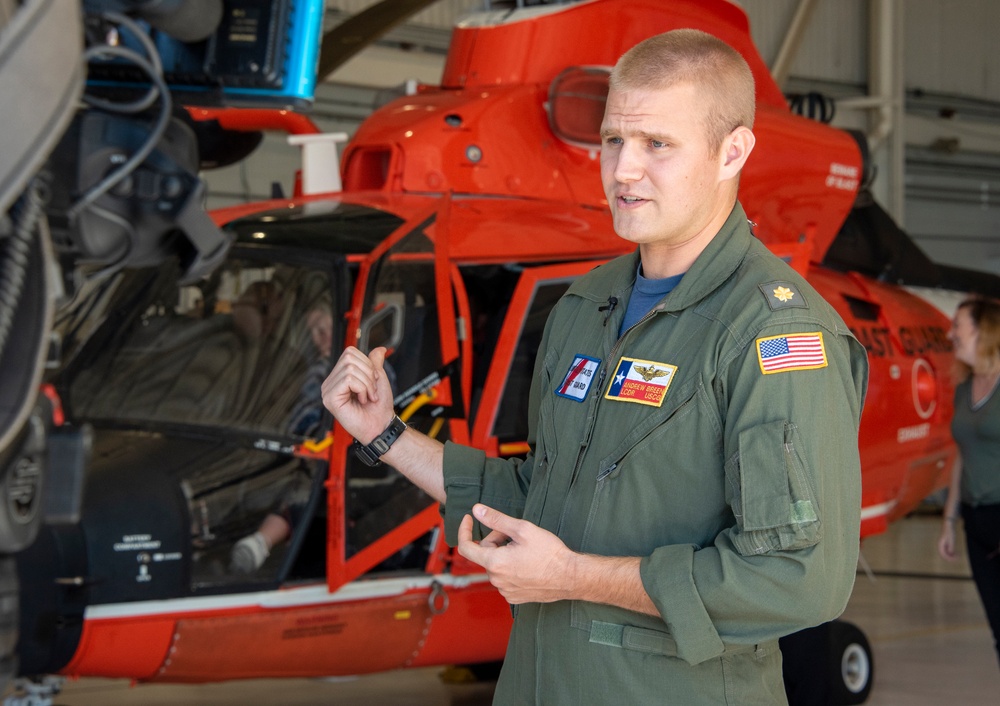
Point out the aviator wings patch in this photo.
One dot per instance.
(641, 381)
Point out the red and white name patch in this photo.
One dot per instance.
(577, 381)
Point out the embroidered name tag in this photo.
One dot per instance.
(642, 381)
(577, 381)
(794, 351)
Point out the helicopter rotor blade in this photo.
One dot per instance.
(357, 32)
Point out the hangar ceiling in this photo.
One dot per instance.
(918, 76)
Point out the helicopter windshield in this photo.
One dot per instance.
(245, 350)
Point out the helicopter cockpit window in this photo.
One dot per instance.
(576, 105)
(251, 512)
(244, 350)
(400, 313)
(511, 423)
(229, 371)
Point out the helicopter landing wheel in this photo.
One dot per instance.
(852, 669)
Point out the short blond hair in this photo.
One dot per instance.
(702, 60)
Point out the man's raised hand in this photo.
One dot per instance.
(358, 394)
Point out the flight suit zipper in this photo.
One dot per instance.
(592, 412)
(648, 315)
(611, 356)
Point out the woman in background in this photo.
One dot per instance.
(974, 492)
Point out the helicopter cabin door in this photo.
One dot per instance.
(388, 524)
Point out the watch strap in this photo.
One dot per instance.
(372, 452)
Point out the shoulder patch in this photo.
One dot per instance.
(791, 351)
(783, 295)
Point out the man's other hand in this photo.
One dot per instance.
(526, 563)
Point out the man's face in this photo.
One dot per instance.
(661, 180)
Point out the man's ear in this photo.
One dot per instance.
(736, 148)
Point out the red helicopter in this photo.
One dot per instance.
(466, 209)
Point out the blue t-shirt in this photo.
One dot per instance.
(645, 294)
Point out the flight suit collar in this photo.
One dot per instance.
(716, 263)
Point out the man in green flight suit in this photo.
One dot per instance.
(693, 491)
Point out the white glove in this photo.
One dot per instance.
(249, 554)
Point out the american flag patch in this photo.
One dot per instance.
(793, 351)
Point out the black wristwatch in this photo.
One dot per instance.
(371, 453)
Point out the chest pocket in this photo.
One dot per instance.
(665, 477)
(637, 421)
(771, 493)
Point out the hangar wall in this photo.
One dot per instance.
(948, 132)
(918, 75)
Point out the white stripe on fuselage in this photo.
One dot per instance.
(283, 598)
(873, 511)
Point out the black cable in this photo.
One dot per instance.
(25, 216)
(154, 69)
(153, 55)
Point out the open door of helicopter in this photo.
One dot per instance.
(404, 303)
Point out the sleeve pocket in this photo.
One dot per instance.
(772, 498)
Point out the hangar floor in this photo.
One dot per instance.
(922, 615)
